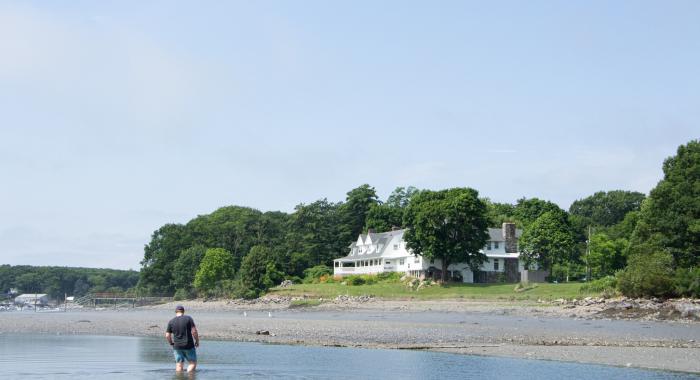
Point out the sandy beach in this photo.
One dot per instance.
(465, 327)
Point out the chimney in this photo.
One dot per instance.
(370, 230)
(509, 236)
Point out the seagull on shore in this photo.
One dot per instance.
(269, 314)
(245, 314)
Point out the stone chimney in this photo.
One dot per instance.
(509, 236)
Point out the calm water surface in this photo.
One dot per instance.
(89, 357)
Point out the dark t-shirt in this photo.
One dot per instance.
(181, 328)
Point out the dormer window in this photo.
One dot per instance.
(396, 247)
(495, 245)
(488, 245)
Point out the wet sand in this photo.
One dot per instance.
(511, 330)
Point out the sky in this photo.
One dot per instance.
(117, 117)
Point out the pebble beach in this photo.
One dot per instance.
(551, 332)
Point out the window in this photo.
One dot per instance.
(416, 260)
(488, 245)
(396, 247)
(401, 262)
(495, 245)
(432, 261)
(495, 264)
(387, 262)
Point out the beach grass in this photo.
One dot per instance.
(394, 290)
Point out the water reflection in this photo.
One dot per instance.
(90, 357)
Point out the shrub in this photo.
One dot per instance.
(686, 282)
(606, 285)
(647, 275)
(183, 294)
(355, 280)
(389, 276)
(313, 274)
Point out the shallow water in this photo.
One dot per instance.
(30, 356)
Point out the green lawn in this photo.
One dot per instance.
(494, 292)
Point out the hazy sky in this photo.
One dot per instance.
(119, 117)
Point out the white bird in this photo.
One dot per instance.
(245, 314)
(269, 314)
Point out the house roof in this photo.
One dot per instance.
(31, 295)
(380, 239)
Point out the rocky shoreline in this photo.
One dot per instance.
(587, 330)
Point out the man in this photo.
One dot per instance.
(182, 335)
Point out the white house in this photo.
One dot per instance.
(32, 299)
(386, 252)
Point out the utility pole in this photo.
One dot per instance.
(588, 251)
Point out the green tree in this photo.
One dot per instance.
(607, 208)
(382, 217)
(449, 225)
(499, 213)
(526, 211)
(186, 267)
(259, 271)
(548, 240)
(606, 255)
(354, 211)
(647, 275)
(400, 197)
(671, 215)
(215, 268)
(159, 258)
(314, 231)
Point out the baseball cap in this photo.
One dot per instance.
(179, 308)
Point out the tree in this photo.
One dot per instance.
(647, 275)
(527, 211)
(499, 213)
(159, 258)
(607, 208)
(401, 196)
(382, 217)
(606, 255)
(385, 216)
(314, 231)
(671, 215)
(259, 271)
(449, 225)
(354, 211)
(547, 240)
(186, 267)
(216, 267)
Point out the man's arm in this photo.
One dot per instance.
(169, 338)
(195, 335)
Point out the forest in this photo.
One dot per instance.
(58, 282)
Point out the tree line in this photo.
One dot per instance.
(57, 282)
(240, 251)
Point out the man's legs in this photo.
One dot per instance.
(179, 360)
(191, 366)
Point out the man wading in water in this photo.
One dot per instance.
(182, 335)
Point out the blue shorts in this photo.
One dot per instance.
(181, 355)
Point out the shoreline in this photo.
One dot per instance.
(460, 327)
